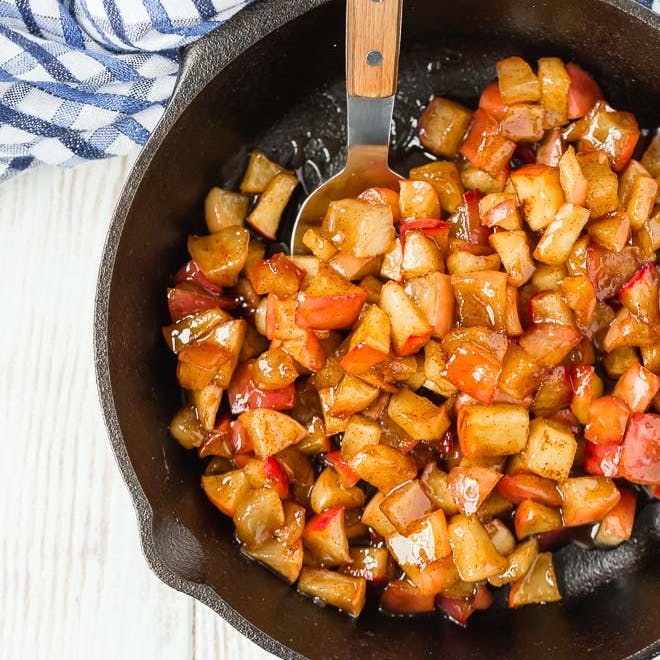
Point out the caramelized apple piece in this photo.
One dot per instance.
(538, 585)
(342, 591)
(587, 499)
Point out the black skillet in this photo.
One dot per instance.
(273, 77)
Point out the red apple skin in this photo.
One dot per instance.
(519, 487)
(582, 93)
(602, 460)
(360, 358)
(461, 610)
(276, 476)
(191, 273)
(491, 100)
(347, 474)
(182, 303)
(244, 394)
(329, 312)
(640, 457)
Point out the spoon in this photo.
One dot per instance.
(373, 34)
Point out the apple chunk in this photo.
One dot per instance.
(369, 343)
(410, 330)
(417, 416)
(495, 430)
(342, 591)
(329, 302)
(587, 499)
(271, 431)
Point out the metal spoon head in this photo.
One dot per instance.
(366, 165)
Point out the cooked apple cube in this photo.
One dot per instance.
(271, 431)
(418, 199)
(550, 149)
(523, 122)
(444, 178)
(523, 486)
(500, 210)
(560, 235)
(226, 490)
(406, 505)
(587, 499)
(617, 524)
(474, 178)
(403, 597)
(519, 560)
(473, 551)
(573, 182)
(637, 387)
(329, 492)
(435, 484)
(517, 81)
(641, 447)
(502, 538)
(538, 585)
(539, 190)
(434, 297)
(520, 373)
(222, 255)
(602, 183)
(383, 467)
(625, 330)
(329, 302)
(442, 126)
(610, 131)
(360, 432)
(481, 298)
(550, 449)
(606, 421)
(223, 208)
(514, 252)
(266, 215)
(351, 396)
(417, 416)
(376, 519)
(285, 560)
(583, 92)
(554, 83)
(548, 343)
(640, 294)
(319, 244)
(485, 147)
(258, 514)
(579, 294)
(325, 537)
(470, 486)
(360, 228)
(342, 591)
(587, 386)
(259, 173)
(410, 330)
(495, 430)
(474, 370)
(535, 518)
(370, 563)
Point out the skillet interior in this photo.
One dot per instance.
(284, 94)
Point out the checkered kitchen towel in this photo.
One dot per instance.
(87, 79)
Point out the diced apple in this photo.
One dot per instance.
(325, 537)
(474, 370)
(550, 149)
(550, 449)
(223, 208)
(548, 343)
(606, 421)
(222, 255)
(535, 518)
(626, 330)
(329, 492)
(403, 597)
(602, 183)
(523, 122)
(516, 80)
(342, 591)
(555, 83)
(436, 486)
(560, 235)
(442, 126)
(519, 560)
(538, 585)
(376, 519)
(642, 199)
(573, 182)
(444, 178)
(640, 294)
(481, 298)
(259, 173)
(285, 560)
(495, 430)
(329, 302)
(473, 551)
(539, 190)
(319, 244)
(410, 330)
(406, 505)
(587, 499)
(587, 386)
(360, 228)
(636, 387)
(418, 199)
(640, 458)
(360, 432)
(266, 215)
(484, 146)
(271, 431)
(519, 487)
(617, 524)
(500, 210)
(383, 196)
(417, 416)
(583, 91)
(434, 297)
(470, 486)
(520, 373)
(602, 460)
(514, 252)
(383, 467)
(370, 563)
(420, 255)
(257, 515)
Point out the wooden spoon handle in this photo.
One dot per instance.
(373, 33)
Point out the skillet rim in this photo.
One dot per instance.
(200, 63)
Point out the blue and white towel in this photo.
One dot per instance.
(88, 79)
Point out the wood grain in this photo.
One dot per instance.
(73, 581)
(372, 26)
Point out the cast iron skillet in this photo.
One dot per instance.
(273, 78)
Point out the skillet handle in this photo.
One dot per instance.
(373, 34)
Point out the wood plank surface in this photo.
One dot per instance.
(73, 581)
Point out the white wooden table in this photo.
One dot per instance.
(73, 580)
